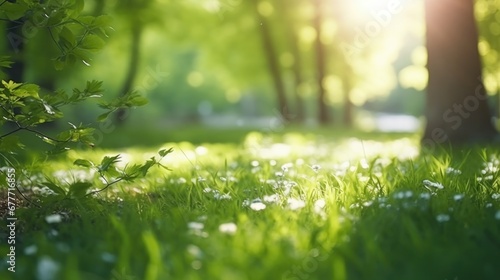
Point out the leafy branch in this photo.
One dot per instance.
(109, 173)
(24, 106)
(75, 35)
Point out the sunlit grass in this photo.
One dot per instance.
(275, 206)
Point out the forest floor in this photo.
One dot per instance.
(287, 205)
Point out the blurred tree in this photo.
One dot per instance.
(488, 17)
(323, 116)
(340, 13)
(262, 10)
(456, 106)
(288, 7)
(139, 14)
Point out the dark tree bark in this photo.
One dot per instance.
(456, 108)
(273, 64)
(323, 116)
(132, 70)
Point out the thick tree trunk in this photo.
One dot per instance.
(132, 70)
(456, 108)
(273, 64)
(323, 116)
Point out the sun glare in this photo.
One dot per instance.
(381, 11)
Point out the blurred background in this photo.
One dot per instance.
(260, 64)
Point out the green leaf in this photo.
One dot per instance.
(55, 188)
(10, 143)
(28, 90)
(104, 116)
(58, 150)
(103, 21)
(94, 87)
(59, 63)
(107, 162)
(138, 101)
(164, 152)
(78, 6)
(14, 11)
(83, 162)
(5, 61)
(92, 42)
(11, 85)
(56, 17)
(145, 168)
(86, 20)
(79, 189)
(67, 38)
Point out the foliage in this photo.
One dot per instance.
(24, 107)
(109, 174)
(75, 35)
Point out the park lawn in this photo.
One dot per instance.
(273, 206)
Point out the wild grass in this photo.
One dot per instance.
(281, 206)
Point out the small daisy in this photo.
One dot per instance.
(53, 219)
(228, 228)
(257, 205)
(443, 218)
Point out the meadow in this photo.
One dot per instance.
(266, 205)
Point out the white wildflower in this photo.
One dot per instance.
(425, 195)
(220, 196)
(497, 215)
(453, 171)
(195, 226)
(285, 167)
(436, 185)
(228, 228)
(315, 168)
(320, 203)
(443, 218)
(30, 250)
(295, 204)
(194, 251)
(53, 219)
(207, 190)
(246, 202)
(271, 198)
(257, 205)
(458, 197)
(47, 268)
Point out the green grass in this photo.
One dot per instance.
(344, 208)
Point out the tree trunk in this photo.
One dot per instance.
(323, 116)
(298, 78)
(291, 29)
(456, 108)
(133, 66)
(273, 64)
